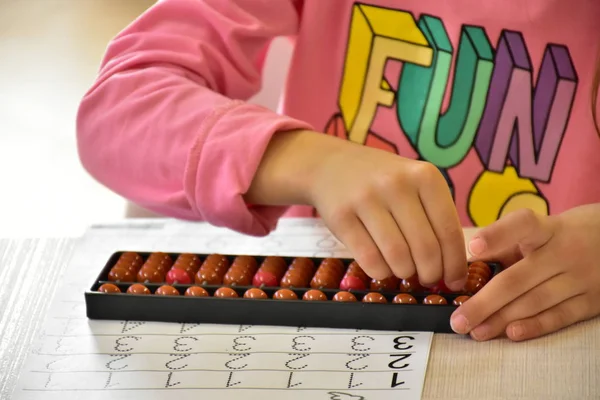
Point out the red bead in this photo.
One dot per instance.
(441, 288)
(264, 278)
(179, 276)
(352, 283)
(109, 288)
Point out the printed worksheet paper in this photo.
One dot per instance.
(79, 358)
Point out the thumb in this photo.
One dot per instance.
(521, 231)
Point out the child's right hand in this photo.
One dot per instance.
(395, 215)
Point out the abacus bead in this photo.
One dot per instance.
(324, 280)
(435, 299)
(479, 272)
(387, 284)
(351, 282)
(238, 277)
(148, 274)
(314, 295)
(291, 279)
(179, 276)
(355, 269)
(264, 278)
(109, 288)
(255, 293)
(374, 297)
(138, 288)
(344, 297)
(208, 276)
(473, 285)
(460, 300)
(167, 290)
(120, 274)
(225, 292)
(285, 294)
(196, 291)
(480, 267)
(441, 288)
(404, 298)
(411, 284)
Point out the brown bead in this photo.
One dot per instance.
(190, 263)
(160, 261)
(196, 291)
(216, 262)
(138, 288)
(109, 288)
(238, 276)
(411, 284)
(374, 297)
(285, 294)
(325, 280)
(435, 299)
(149, 274)
(294, 279)
(404, 298)
(460, 300)
(483, 268)
(130, 261)
(388, 284)
(255, 293)
(207, 276)
(473, 285)
(333, 264)
(167, 290)
(247, 262)
(225, 292)
(344, 297)
(314, 295)
(120, 275)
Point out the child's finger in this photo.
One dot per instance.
(503, 289)
(541, 298)
(576, 309)
(523, 228)
(351, 231)
(386, 234)
(422, 242)
(441, 213)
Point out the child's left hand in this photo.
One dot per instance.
(552, 278)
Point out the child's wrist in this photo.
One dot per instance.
(289, 166)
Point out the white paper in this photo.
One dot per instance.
(79, 358)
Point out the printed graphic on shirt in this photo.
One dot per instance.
(514, 124)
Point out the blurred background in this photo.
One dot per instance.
(50, 51)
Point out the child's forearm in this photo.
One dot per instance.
(290, 163)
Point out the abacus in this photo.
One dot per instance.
(271, 290)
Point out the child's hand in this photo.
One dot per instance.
(553, 280)
(395, 215)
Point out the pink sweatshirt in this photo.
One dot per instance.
(497, 94)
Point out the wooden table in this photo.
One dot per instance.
(564, 365)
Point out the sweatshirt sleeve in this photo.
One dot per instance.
(166, 123)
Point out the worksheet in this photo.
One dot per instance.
(79, 358)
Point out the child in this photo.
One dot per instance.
(436, 114)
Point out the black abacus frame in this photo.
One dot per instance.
(236, 311)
